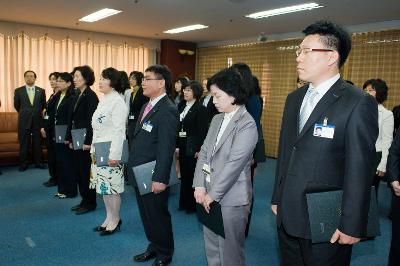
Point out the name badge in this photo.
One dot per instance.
(324, 131)
(147, 126)
(46, 117)
(131, 117)
(182, 134)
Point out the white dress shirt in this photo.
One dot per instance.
(385, 137)
(206, 100)
(225, 122)
(186, 110)
(155, 100)
(109, 123)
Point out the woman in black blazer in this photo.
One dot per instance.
(192, 132)
(84, 108)
(63, 115)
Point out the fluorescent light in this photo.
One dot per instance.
(103, 13)
(186, 28)
(284, 10)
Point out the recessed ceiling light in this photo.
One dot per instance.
(103, 13)
(186, 28)
(283, 10)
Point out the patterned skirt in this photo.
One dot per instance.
(107, 180)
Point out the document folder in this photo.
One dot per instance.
(60, 132)
(102, 152)
(212, 220)
(78, 138)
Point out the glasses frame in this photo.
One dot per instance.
(307, 50)
(146, 79)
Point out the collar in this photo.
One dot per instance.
(155, 101)
(190, 104)
(27, 87)
(231, 114)
(324, 86)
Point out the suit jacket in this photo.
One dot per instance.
(230, 162)
(158, 144)
(393, 163)
(50, 112)
(211, 109)
(29, 116)
(134, 110)
(63, 114)
(308, 163)
(84, 107)
(195, 124)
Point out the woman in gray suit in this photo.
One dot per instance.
(223, 168)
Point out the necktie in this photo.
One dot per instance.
(31, 95)
(146, 111)
(308, 107)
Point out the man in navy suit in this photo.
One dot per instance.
(155, 139)
(29, 101)
(341, 157)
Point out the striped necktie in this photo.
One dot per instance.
(310, 100)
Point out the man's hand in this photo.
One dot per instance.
(206, 203)
(344, 239)
(43, 132)
(113, 163)
(158, 187)
(199, 194)
(396, 188)
(86, 147)
(380, 173)
(274, 208)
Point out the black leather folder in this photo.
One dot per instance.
(102, 152)
(78, 138)
(212, 220)
(60, 132)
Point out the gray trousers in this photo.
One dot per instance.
(228, 251)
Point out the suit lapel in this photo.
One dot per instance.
(297, 105)
(330, 97)
(228, 130)
(150, 114)
(36, 97)
(80, 98)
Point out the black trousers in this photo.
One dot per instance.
(157, 224)
(377, 179)
(187, 166)
(296, 251)
(25, 137)
(66, 182)
(51, 158)
(394, 257)
(82, 162)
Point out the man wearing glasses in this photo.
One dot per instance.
(341, 159)
(154, 138)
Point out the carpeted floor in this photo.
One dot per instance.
(38, 229)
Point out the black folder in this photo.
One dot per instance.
(60, 132)
(212, 220)
(78, 138)
(102, 152)
(324, 211)
(144, 173)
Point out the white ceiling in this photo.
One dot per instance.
(225, 18)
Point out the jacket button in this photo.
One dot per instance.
(212, 170)
(294, 147)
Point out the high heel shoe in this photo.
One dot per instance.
(99, 228)
(110, 232)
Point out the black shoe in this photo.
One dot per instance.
(40, 166)
(83, 210)
(49, 184)
(110, 232)
(22, 167)
(158, 262)
(76, 207)
(99, 228)
(145, 256)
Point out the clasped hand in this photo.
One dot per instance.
(203, 198)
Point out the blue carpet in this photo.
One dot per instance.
(38, 229)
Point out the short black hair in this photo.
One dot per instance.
(333, 37)
(26, 72)
(67, 77)
(124, 80)
(86, 72)
(184, 81)
(55, 74)
(114, 76)
(247, 77)
(162, 72)
(380, 88)
(230, 81)
(196, 88)
(138, 76)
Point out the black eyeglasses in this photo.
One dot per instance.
(147, 79)
(308, 50)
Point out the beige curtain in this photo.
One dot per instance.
(45, 55)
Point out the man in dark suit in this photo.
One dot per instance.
(393, 169)
(155, 139)
(341, 158)
(29, 101)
